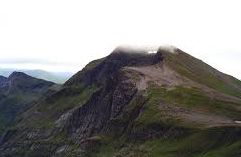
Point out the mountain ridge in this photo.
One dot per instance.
(2, 80)
(17, 93)
(57, 77)
(134, 104)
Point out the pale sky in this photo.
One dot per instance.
(59, 35)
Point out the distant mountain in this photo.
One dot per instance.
(132, 103)
(2, 80)
(17, 93)
(57, 77)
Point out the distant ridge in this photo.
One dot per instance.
(2, 78)
(57, 77)
(18, 92)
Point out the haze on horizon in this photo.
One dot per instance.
(58, 35)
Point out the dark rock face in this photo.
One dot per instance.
(99, 113)
(112, 64)
(103, 107)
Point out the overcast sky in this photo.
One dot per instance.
(59, 35)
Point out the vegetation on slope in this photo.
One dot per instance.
(202, 73)
(190, 141)
(213, 142)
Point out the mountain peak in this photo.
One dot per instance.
(147, 50)
(128, 101)
(3, 80)
(132, 57)
(17, 74)
(179, 62)
(21, 80)
(110, 65)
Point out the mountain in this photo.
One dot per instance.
(17, 93)
(57, 77)
(2, 80)
(134, 103)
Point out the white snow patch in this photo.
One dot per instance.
(237, 121)
(136, 48)
(152, 51)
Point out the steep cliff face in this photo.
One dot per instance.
(132, 103)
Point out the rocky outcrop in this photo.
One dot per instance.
(103, 107)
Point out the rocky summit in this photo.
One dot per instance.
(130, 103)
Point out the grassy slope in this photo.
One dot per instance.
(209, 142)
(202, 73)
(22, 93)
(215, 142)
(52, 109)
(11, 105)
(196, 98)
